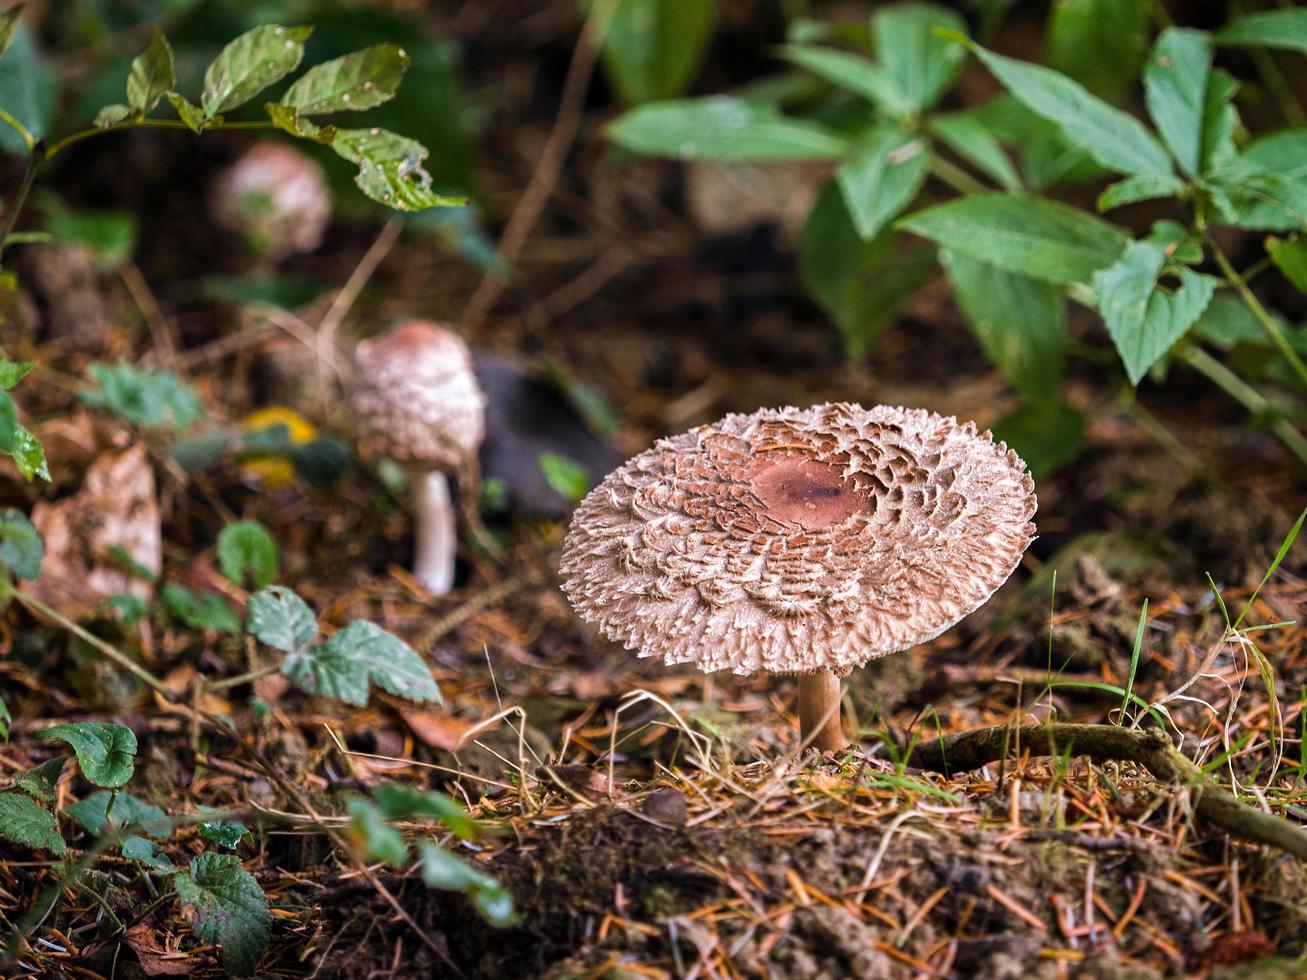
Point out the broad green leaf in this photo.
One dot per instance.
(1045, 434)
(147, 852)
(362, 653)
(882, 176)
(110, 236)
(360, 80)
(1134, 189)
(1220, 120)
(1175, 88)
(96, 817)
(720, 127)
(390, 169)
(1284, 154)
(970, 139)
(1048, 159)
(1290, 257)
(1115, 139)
(189, 113)
(230, 909)
(1285, 28)
(1030, 235)
(1099, 43)
(370, 829)
(1143, 317)
(251, 63)
(144, 397)
(28, 90)
(288, 120)
(398, 802)
(106, 752)
(12, 372)
(152, 76)
(29, 455)
(224, 833)
(112, 115)
(21, 547)
(248, 548)
(566, 477)
(1019, 321)
(653, 48)
(280, 619)
(442, 870)
(205, 611)
(8, 21)
(1249, 195)
(921, 63)
(24, 822)
(852, 72)
(1227, 321)
(41, 781)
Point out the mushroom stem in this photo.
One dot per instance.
(433, 554)
(819, 712)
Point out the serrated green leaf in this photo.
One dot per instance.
(189, 113)
(230, 909)
(398, 802)
(223, 833)
(852, 72)
(279, 618)
(152, 75)
(1019, 321)
(1285, 28)
(205, 611)
(96, 817)
(147, 852)
(721, 127)
(343, 666)
(29, 90)
(921, 63)
(442, 870)
(1290, 257)
(1144, 319)
(249, 64)
(106, 753)
(12, 372)
(1099, 43)
(1134, 189)
(21, 547)
(1277, 207)
(24, 822)
(1175, 88)
(971, 139)
(1115, 139)
(390, 169)
(248, 548)
(152, 398)
(881, 177)
(40, 782)
(1033, 236)
(1047, 435)
(373, 833)
(652, 48)
(8, 21)
(566, 477)
(360, 80)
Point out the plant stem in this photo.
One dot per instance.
(245, 678)
(1244, 393)
(20, 198)
(1264, 320)
(59, 145)
(956, 177)
(19, 128)
(1163, 436)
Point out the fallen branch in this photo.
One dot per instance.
(1149, 748)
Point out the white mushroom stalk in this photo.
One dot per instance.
(437, 540)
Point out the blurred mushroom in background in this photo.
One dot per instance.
(274, 197)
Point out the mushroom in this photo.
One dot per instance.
(276, 197)
(799, 541)
(418, 402)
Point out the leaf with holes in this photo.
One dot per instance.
(24, 822)
(390, 169)
(230, 909)
(251, 63)
(360, 80)
(105, 752)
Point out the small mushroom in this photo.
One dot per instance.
(799, 541)
(418, 402)
(275, 197)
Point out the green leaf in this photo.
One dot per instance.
(1144, 188)
(1290, 257)
(972, 140)
(121, 557)
(29, 455)
(41, 781)
(251, 63)
(152, 76)
(362, 653)
(653, 48)
(1033, 236)
(278, 618)
(369, 827)
(109, 235)
(25, 823)
(1220, 120)
(1283, 154)
(28, 90)
(1249, 195)
(566, 477)
(882, 176)
(390, 169)
(1269, 29)
(112, 115)
(248, 548)
(360, 80)
(442, 870)
(230, 909)
(1099, 43)
(1143, 318)
(21, 547)
(921, 63)
(1045, 434)
(144, 397)
(189, 113)
(105, 752)
(202, 612)
(131, 609)
(1019, 321)
(398, 802)
(96, 817)
(721, 127)
(1115, 139)
(12, 372)
(147, 852)
(8, 21)
(224, 833)
(6, 719)
(852, 72)
(1175, 88)
(289, 121)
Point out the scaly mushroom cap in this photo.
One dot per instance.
(416, 398)
(797, 540)
(277, 196)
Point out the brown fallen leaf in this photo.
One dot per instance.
(666, 806)
(584, 780)
(435, 728)
(155, 960)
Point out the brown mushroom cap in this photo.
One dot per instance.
(797, 540)
(276, 194)
(416, 398)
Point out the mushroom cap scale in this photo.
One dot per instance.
(416, 398)
(797, 540)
